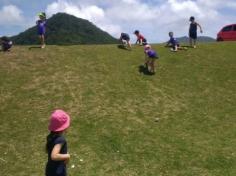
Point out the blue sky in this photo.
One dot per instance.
(154, 18)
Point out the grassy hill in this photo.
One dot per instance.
(114, 110)
(64, 29)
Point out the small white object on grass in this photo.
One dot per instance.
(3, 160)
(81, 160)
(73, 166)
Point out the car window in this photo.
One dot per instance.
(234, 27)
(227, 28)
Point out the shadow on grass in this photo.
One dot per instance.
(5, 51)
(34, 47)
(123, 47)
(186, 46)
(144, 70)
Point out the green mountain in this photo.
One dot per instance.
(66, 29)
(202, 39)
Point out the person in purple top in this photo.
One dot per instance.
(173, 43)
(41, 26)
(150, 57)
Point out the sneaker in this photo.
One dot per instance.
(43, 46)
(173, 50)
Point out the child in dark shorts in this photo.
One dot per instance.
(150, 58)
(193, 32)
(56, 146)
(6, 44)
(125, 39)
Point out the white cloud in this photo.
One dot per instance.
(92, 13)
(10, 15)
(154, 18)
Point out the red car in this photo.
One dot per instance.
(227, 33)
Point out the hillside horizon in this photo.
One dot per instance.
(65, 29)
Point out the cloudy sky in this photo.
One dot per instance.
(154, 18)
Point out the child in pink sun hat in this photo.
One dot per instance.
(56, 144)
(150, 57)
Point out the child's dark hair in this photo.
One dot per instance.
(171, 33)
(136, 32)
(192, 18)
(50, 139)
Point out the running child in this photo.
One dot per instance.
(56, 146)
(125, 39)
(150, 58)
(141, 40)
(193, 32)
(174, 44)
(6, 44)
(41, 25)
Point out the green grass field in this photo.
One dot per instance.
(114, 131)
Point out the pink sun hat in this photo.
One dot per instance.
(147, 47)
(59, 121)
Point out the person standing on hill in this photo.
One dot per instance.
(41, 25)
(193, 32)
(56, 145)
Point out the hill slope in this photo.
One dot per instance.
(114, 131)
(202, 39)
(66, 29)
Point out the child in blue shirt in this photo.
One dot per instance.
(173, 43)
(41, 26)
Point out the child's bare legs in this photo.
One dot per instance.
(152, 65)
(146, 62)
(190, 41)
(194, 43)
(129, 44)
(42, 40)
